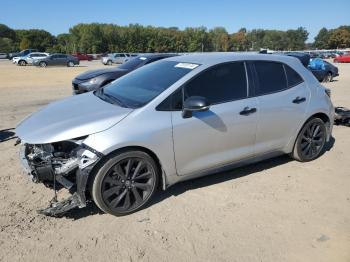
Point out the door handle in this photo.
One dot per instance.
(247, 111)
(299, 100)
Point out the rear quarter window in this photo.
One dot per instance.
(271, 77)
(293, 78)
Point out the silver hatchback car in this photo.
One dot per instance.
(174, 120)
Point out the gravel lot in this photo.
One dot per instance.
(277, 210)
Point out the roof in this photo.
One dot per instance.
(215, 58)
(156, 55)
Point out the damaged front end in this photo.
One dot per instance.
(61, 164)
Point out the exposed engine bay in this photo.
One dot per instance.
(61, 164)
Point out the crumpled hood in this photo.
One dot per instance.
(93, 73)
(70, 118)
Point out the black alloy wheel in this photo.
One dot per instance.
(125, 183)
(311, 140)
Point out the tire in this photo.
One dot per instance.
(109, 62)
(120, 192)
(70, 64)
(43, 64)
(311, 141)
(328, 77)
(22, 63)
(347, 122)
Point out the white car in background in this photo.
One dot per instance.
(116, 58)
(29, 59)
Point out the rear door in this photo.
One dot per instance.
(54, 60)
(62, 59)
(283, 97)
(222, 135)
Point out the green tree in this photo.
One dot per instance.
(240, 41)
(219, 39)
(339, 38)
(322, 39)
(6, 45)
(6, 32)
(296, 38)
(25, 43)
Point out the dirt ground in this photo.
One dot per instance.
(277, 210)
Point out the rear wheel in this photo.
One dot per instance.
(43, 64)
(125, 183)
(310, 141)
(70, 64)
(109, 62)
(328, 77)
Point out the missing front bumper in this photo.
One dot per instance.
(87, 160)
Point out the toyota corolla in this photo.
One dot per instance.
(174, 120)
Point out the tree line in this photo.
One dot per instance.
(101, 38)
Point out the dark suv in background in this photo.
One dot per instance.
(94, 79)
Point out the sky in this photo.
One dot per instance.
(58, 16)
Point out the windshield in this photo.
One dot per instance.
(133, 63)
(142, 85)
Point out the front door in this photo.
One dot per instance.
(223, 134)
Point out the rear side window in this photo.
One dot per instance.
(293, 77)
(271, 77)
(221, 83)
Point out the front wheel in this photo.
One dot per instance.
(125, 183)
(70, 64)
(311, 141)
(109, 62)
(22, 63)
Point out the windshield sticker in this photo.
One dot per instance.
(143, 58)
(186, 65)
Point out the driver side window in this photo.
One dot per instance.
(219, 84)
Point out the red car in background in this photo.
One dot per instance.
(342, 59)
(82, 56)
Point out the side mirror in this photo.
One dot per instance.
(194, 104)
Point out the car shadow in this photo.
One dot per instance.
(215, 178)
(78, 213)
(329, 145)
(7, 134)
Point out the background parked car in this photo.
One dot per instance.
(29, 59)
(342, 59)
(3, 55)
(322, 70)
(82, 56)
(57, 60)
(115, 58)
(94, 79)
(22, 53)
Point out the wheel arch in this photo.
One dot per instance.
(162, 178)
(323, 116)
